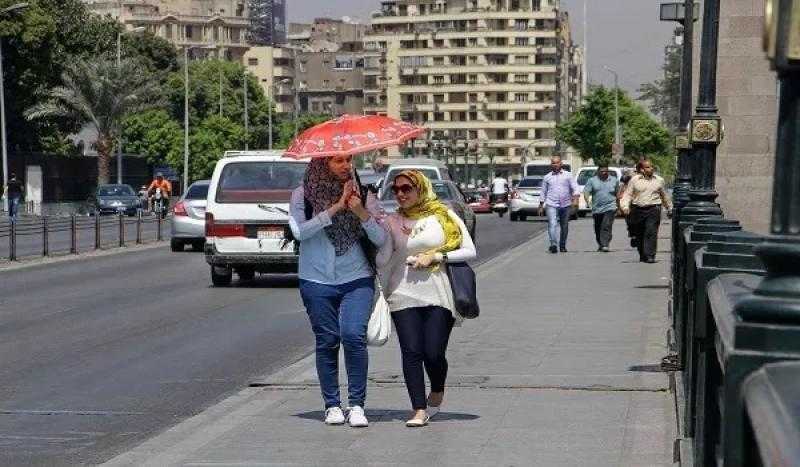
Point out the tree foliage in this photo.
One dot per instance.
(39, 43)
(590, 130)
(664, 95)
(101, 94)
(304, 122)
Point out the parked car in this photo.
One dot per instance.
(478, 201)
(525, 198)
(582, 176)
(115, 199)
(189, 218)
(247, 215)
(449, 193)
(370, 179)
(432, 168)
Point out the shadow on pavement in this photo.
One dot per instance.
(391, 415)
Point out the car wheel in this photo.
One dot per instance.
(246, 274)
(513, 217)
(221, 276)
(176, 245)
(198, 245)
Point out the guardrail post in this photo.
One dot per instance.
(73, 237)
(96, 230)
(139, 227)
(121, 230)
(12, 242)
(158, 229)
(45, 237)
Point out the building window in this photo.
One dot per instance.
(521, 97)
(438, 79)
(438, 61)
(520, 41)
(520, 79)
(521, 134)
(521, 60)
(236, 35)
(521, 24)
(501, 97)
(326, 83)
(520, 116)
(438, 116)
(189, 32)
(473, 116)
(473, 97)
(472, 79)
(252, 61)
(473, 41)
(438, 98)
(473, 134)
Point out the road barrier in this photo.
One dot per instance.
(32, 237)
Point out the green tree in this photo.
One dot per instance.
(207, 143)
(664, 95)
(590, 130)
(153, 134)
(39, 42)
(100, 94)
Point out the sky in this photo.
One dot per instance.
(625, 35)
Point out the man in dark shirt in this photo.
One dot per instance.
(13, 193)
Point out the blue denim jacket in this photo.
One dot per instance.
(318, 260)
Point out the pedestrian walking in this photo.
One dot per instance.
(13, 195)
(560, 194)
(624, 180)
(601, 193)
(423, 235)
(642, 202)
(337, 282)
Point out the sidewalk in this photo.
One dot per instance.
(561, 369)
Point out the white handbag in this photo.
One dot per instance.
(379, 327)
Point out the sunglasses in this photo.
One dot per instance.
(405, 189)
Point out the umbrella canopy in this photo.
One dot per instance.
(352, 134)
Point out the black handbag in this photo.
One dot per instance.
(465, 293)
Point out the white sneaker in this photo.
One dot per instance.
(334, 416)
(357, 418)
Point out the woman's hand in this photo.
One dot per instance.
(355, 205)
(424, 260)
(343, 200)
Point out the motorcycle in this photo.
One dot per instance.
(159, 204)
(499, 203)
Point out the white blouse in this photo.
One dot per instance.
(407, 287)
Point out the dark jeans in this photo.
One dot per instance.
(339, 314)
(558, 217)
(603, 223)
(644, 224)
(423, 334)
(13, 208)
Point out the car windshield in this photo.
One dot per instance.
(441, 190)
(432, 174)
(530, 183)
(115, 190)
(197, 191)
(540, 170)
(259, 182)
(585, 175)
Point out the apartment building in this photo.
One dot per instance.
(275, 69)
(268, 22)
(489, 78)
(216, 28)
(327, 34)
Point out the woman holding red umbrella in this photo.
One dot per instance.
(337, 283)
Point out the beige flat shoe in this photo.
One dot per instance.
(417, 422)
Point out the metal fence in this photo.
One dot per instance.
(32, 237)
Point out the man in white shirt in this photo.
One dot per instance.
(499, 189)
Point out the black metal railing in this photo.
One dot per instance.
(32, 237)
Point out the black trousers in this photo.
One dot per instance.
(603, 223)
(423, 334)
(644, 224)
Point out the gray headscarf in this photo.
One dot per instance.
(322, 189)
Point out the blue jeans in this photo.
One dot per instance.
(339, 314)
(13, 208)
(558, 217)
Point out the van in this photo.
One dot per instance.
(432, 168)
(247, 215)
(582, 176)
(541, 167)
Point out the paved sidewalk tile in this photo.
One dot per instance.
(561, 369)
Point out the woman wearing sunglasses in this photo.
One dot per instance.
(337, 283)
(424, 234)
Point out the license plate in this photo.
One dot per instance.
(270, 234)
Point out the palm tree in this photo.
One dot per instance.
(100, 94)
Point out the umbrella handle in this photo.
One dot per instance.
(362, 191)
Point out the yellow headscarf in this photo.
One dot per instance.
(428, 204)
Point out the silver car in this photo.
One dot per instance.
(189, 218)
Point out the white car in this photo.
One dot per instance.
(525, 198)
(432, 168)
(582, 176)
(247, 215)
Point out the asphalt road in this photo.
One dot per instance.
(99, 354)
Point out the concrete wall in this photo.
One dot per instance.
(747, 100)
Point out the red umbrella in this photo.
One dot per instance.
(352, 134)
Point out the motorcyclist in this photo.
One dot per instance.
(166, 190)
(500, 190)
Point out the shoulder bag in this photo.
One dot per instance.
(465, 292)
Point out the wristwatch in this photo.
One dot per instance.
(444, 257)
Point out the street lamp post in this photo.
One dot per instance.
(4, 142)
(135, 30)
(246, 116)
(617, 134)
